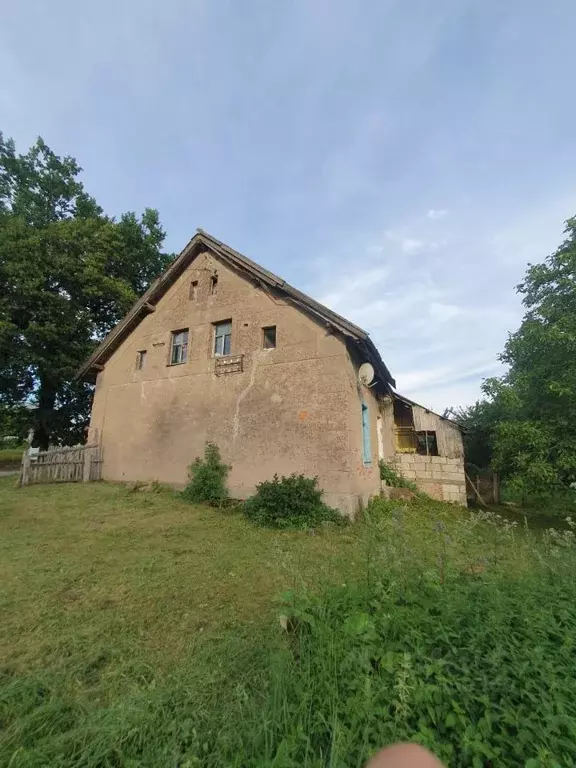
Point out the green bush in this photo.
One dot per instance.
(395, 479)
(207, 478)
(289, 502)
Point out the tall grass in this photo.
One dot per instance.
(457, 630)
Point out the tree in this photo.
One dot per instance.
(534, 404)
(68, 274)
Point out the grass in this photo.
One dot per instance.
(10, 458)
(138, 630)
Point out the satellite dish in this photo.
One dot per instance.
(366, 374)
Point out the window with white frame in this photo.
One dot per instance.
(222, 338)
(179, 348)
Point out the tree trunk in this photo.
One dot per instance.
(44, 414)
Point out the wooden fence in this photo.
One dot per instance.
(82, 463)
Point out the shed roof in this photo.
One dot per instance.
(203, 241)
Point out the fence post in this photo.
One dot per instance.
(87, 456)
(25, 467)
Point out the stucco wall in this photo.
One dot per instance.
(296, 408)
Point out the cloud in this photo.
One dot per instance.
(437, 213)
(411, 245)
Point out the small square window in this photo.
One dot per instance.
(269, 337)
(140, 359)
(179, 349)
(193, 290)
(213, 284)
(222, 338)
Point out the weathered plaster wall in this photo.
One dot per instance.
(296, 408)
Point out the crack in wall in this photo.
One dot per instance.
(256, 357)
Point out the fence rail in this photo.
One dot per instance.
(62, 465)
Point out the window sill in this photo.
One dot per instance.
(173, 365)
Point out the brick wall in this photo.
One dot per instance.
(438, 476)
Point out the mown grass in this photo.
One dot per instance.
(138, 630)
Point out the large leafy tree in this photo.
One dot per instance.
(68, 273)
(526, 427)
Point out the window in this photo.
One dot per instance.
(179, 350)
(366, 449)
(426, 444)
(213, 284)
(222, 338)
(269, 337)
(404, 426)
(193, 290)
(140, 359)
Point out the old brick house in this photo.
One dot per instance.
(219, 349)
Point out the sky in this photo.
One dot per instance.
(399, 160)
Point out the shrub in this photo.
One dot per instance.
(207, 478)
(395, 479)
(289, 502)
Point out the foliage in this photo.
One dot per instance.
(478, 423)
(207, 478)
(289, 502)
(69, 273)
(425, 623)
(15, 421)
(526, 426)
(393, 478)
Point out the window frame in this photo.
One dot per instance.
(183, 355)
(265, 339)
(226, 337)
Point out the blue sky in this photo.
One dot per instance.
(400, 160)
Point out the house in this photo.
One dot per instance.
(220, 349)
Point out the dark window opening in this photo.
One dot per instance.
(213, 284)
(193, 290)
(269, 337)
(426, 443)
(222, 338)
(140, 359)
(179, 349)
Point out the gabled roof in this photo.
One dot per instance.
(202, 241)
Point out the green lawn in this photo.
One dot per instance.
(138, 630)
(86, 567)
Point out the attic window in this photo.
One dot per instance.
(269, 337)
(140, 359)
(193, 290)
(426, 444)
(213, 284)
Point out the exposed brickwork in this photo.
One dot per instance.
(438, 476)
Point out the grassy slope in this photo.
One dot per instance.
(139, 630)
(98, 566)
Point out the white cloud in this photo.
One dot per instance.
(437, 213)
(411, 245)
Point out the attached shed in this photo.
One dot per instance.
(424, 447)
